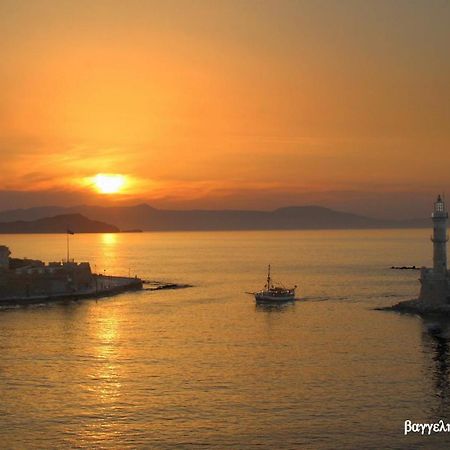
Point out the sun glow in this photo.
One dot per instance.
(109, 183)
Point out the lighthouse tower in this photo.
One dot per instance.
(435, 282)
(440, 238)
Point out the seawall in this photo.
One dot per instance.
(104, 286)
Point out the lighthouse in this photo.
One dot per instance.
(434, 296)
(435, 282)
(440, 238)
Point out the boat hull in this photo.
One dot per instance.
(268, 298)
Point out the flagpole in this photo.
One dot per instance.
(67, 233)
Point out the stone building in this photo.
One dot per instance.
(23, 278)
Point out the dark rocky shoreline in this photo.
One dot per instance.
(418, 307)
(161, 285)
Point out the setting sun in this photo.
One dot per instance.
(109, 183)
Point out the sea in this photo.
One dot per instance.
(205, 367)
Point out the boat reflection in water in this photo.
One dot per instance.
(280, 307)
(274, 294)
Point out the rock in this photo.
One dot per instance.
(417, 306)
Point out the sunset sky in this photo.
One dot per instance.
(226, 104)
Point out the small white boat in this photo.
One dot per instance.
(274, 294)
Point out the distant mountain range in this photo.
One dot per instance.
(76, 223)
(147, 218)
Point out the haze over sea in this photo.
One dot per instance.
(204, 366)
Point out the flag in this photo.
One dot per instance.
(70, 231)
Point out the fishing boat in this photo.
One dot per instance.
(274, 294)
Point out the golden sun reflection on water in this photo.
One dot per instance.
(109, 238)
(107, 257)
(105, 376)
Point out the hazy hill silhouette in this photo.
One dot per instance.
(148, 218)
(76, 223)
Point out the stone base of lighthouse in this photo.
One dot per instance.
(434, 297)
(435, 288)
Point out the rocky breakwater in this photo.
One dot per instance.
(420, 307)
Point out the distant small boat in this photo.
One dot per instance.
(274, 294)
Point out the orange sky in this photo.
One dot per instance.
(248, 104)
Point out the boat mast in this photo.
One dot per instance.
(269, 282)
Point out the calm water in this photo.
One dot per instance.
(204, 366)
